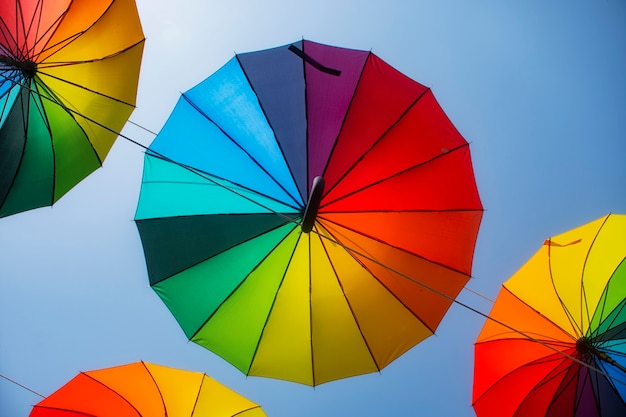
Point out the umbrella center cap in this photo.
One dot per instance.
(313, 205)
(27, 67)
(586, 348)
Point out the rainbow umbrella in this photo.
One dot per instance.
(147, 390)
(555, 344)
(68, 80)
(308, 213)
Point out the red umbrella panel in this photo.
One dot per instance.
(308, 212)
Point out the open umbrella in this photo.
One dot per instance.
(555, 345)
(308, 213)
(147, 390)
(68, 81)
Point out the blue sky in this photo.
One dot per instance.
(539, 90)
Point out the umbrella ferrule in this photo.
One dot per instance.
(27, 67)
(313, 205)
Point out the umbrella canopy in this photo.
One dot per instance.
(308, 213)
(556, 342)
(147, 390)
(68, 81)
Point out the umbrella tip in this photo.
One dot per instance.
(313, 205)
(27, 67)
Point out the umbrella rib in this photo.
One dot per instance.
(570, 318)
(42, 112)
(157, 388)
(583, 274)
(206, 116)
(195, 403)
(610, 326)
(584, 305)
(310, 263)
(375, 143)
(112, 390)
(65, 410)
(246, 410)
(379, 181)
(309, 180)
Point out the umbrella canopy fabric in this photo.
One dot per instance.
(308, 213)
(556, 342)
(68, 81)
(147, 390)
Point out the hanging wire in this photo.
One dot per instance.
(21, 385)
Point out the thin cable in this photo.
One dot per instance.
(478, 294)
(23, 386)
(141, 127)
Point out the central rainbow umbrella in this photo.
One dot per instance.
(308, 213)
(68, 81)
(555, 341)
(146, 390)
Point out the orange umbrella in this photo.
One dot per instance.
(146, 390)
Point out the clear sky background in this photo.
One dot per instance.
(538, 88)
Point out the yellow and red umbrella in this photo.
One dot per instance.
(146, 390)
(308, 213)
(68, 81)
(555, 343)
